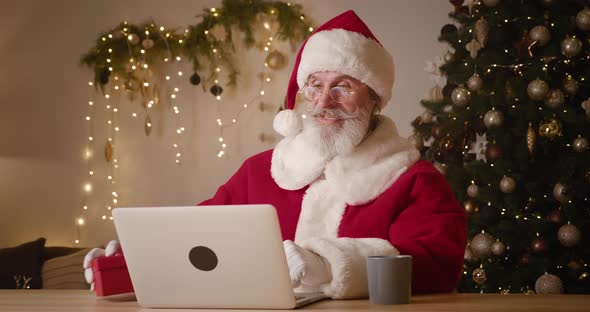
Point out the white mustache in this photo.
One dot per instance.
(334, 113)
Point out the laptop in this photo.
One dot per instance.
(207, 257)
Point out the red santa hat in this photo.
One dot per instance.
(343, 44)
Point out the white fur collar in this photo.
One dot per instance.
(378, 161)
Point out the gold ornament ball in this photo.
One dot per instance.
(133, 38)
(568, 235)
(469, 256)
(473, 190)
(537, 89)
(147, 43)
(474, 83)
(571, 46)
(548, 284)
(479, 276)
(554, 99)
(561, 192)
(460, 96)
(570, 86)
(583, 19)
(470, 207)
(507, 184)
(498, 248)
(550, 128)
(540, 34)
(580, 144)
(449, 57)
(481, 244)
(276, 60)
(493, 118)
(426, 116)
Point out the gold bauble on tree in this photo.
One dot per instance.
(276, 60)
(568, 235)
(530, 139)
(479, 276)
(498, 248)
(537, 89)
(548, 284)
(460, 96)
(583, 19)
(470, 206)
(571, 46)
(481, 244)
(550, 128)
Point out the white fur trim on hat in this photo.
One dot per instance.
(287, 123)
(349, 53)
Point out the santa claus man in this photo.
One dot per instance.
(344, 183)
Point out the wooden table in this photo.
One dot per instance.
(81, 300)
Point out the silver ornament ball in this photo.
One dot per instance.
(473, 190)
(426, 116)
(571, 46)
(580, 144)
(568, 235)
(460, 96)
(583, 19)
(491, 3)
(449, 57)
(507, 185)
(481, 244)
(540, 34)
(474, 83)
(147, 43)
(133, 38)
(570, 86)
(498, 248)
(561, 193)
(537, 89)
(493, 118)
(554, 99)
(548, 284)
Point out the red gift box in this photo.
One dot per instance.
(111, 276)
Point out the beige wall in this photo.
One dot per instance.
(43, 96)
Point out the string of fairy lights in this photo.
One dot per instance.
(155, 90)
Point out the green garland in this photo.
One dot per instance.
(126, 47)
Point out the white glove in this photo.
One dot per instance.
(112, 248)
(306, 267)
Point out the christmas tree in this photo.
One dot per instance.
(509, 129)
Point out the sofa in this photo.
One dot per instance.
(33, 265)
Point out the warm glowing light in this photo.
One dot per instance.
(80, 221)
(87, 187)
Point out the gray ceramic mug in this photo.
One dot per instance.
(390, 279)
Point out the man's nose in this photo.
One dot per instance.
(325, 101)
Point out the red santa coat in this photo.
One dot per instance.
(377, 200)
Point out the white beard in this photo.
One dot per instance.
(333, 140)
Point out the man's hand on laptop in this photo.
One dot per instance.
(306, 267)
(112, 248)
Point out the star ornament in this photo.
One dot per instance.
(433, 68)
(473, 47)
(479, 147)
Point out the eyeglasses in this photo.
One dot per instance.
(338, 94)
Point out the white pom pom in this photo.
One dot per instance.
(287, 123)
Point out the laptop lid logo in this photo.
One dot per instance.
(203, 258)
